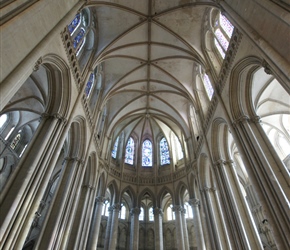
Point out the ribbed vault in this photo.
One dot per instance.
(148, 53)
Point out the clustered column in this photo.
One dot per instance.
(158, 228)
(134, 236)
(93, 241)
(194, 203)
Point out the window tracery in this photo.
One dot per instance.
(74, 24)
(223, 30)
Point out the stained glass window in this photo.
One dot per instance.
(129, 156)
(226, 26)
(223, 30)
(208, 86)
(147, 154)
(114, 151)
(79, 37)
(164, 152)
(89, 85)
(15, 141)
(72, 26)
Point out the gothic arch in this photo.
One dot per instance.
(115, 192)
(180, 190)
(60, 81)
(141, 195)
(165, 190)
(130, 191)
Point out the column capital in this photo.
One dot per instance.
(135, 211)
(100, 199)
(240, 120)
(157, 211)
(194, 202)
(37, 64)
(177, 208)
(115, 207)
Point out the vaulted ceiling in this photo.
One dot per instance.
(149, 50)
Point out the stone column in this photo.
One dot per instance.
(265, 176)
(238, 236)
(23, 193)
(134, 235)
(259, 217)
(114, 226)
(57, 230)
(97, 217)
(216, 226)
(194, 203)
(184, 228)
(158, 228)
(108, 228)
(177, 209)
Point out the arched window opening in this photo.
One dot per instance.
(115, 148)
(223, 30)
(151, 215)
(129, 156)
(74, 24)
(3, 120)
(147, 154)
(164, 152)
(208, 86)
(169, 212)
(79, 38)
(105, 211)
(89, 85)
(178, 148)
(188, 211)
(122, 214)
(141, 215)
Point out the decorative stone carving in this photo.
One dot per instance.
(194, 202)
(135, 211)
(157, 211)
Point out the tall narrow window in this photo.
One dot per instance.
(223, 30)
(151, 215)
(178, 148)
(147, 154)
(16, 140)
(122, 214)
(74, 24)
(129, 156)
(115, 148)
(79, 38)
(164, 152)
(208, 86)
(89, 85)
(141, 215)
(3, 119)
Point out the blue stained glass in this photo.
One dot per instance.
(89, 85)
(147, 154)
(164, 152)
(72, 26)
(114, 151)
(129, 156)
(79, 37)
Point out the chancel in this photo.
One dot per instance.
(149, 124)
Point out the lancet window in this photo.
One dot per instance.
(130, 148)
